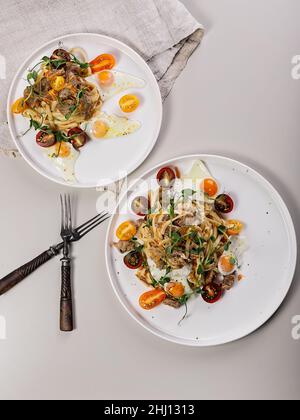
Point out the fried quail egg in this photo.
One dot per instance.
(177, 275)
(63, 156)
(106, 126)
(111, 83)
(228, 264)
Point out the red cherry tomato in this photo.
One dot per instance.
(166, 177)
(224, 204)
(133, 260)
(150, 300)
(44, 139)
(140, 206)
(212, 293)
(78, 137)
(103, 62)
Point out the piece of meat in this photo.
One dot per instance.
(177, 260)
(173, 303)
(144, 275)
(229, 281)
(210, 278)
(124, 246)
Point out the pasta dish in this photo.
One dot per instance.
(183, 245)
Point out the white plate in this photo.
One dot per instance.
(100, 162)
(269, 263)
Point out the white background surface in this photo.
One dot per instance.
(236, 98)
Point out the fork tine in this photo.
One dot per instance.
(62, 213)
(69, 213)
(66, 212)
(84, 225)
(94, 225)
(96, 220)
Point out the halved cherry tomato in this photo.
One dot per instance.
(175, 289)
(150, 300)
(78, 137)
(126, 231)
(44, 139)
(133, 260)
(166, 177)
(19, 106)
(224, 204)
(210, 187)
(212, 293)
(234, 227)
(103, 62)
(58, 83)
(140, 206)
(106, 78)
(129, 103)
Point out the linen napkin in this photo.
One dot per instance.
(163, 32)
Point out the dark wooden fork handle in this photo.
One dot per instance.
(14, 278)
(66, 304)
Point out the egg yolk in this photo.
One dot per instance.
(106, 78)
(100, 129)
(62, 149)
(210, 187)
(227, 264)
(176, 289)
(129, 103)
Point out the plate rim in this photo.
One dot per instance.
(290, 276)
(18, 74)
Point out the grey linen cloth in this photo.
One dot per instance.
(163, 32)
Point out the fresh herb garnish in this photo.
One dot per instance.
(80, 63)
(222, 229)
(183, 301)
(233, 261)
(165, 279)
(227, 246)
(200, 269)
(172, 208)
(32, 75)
(73, 108)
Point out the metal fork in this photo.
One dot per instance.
(66, 302)
(17, 276)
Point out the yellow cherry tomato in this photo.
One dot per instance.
(234, 227)
(126, 231)
(129, 103)
(175, 289)
(19, 106)
(62, 149)
(58, 83)
(210, 187)
(106, 78)
(100, 129)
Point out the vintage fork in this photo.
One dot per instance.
(66, 303)
(18, 275)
